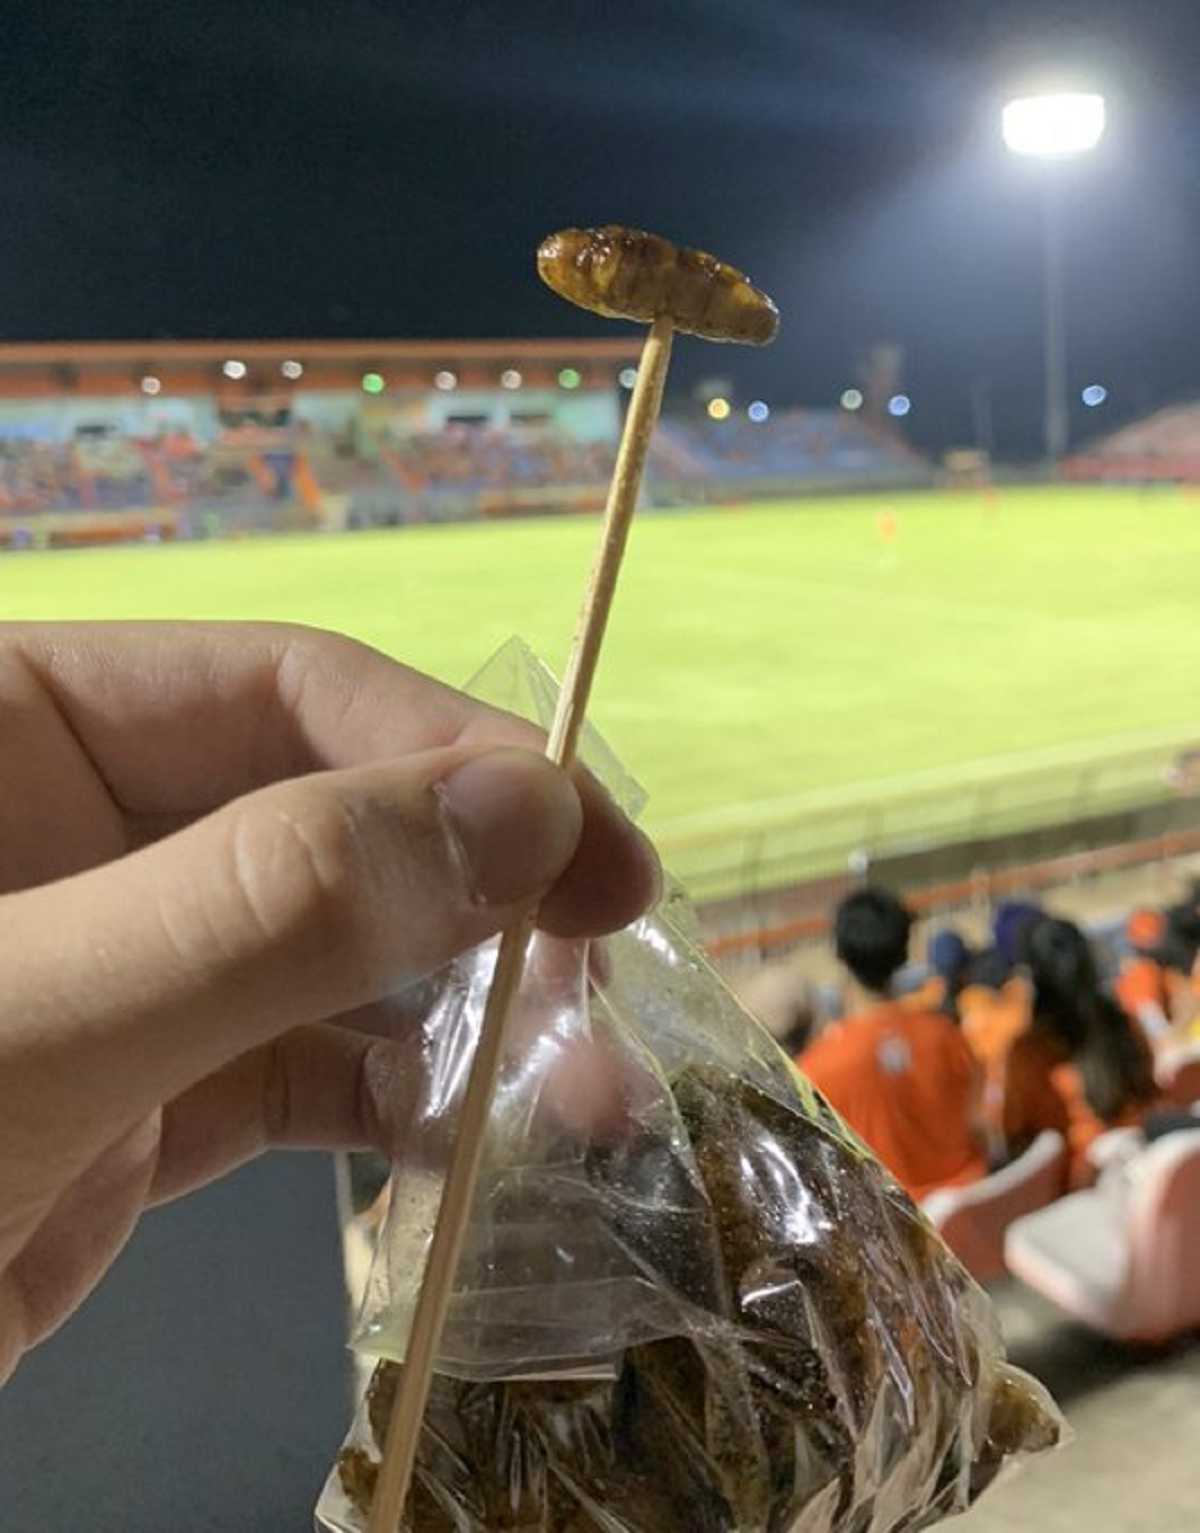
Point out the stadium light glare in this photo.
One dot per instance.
(372, 383)
(851, 399)
(899, 405)
(718, 409)
(292, 369)
(759, 411)
(510, 378)
(445, 380)
(151, 384)
(1095, 394)
(627, 377)
(568, 378)
(233, 368)
(1054, 126)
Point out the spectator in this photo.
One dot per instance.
(1181, 957)
(1080, 1067)
(948, 958)
(1142, 986)
(994, 999)
(781, 997)
(1010, 924)
(902, 1077)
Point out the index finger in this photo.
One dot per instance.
(185, 716)
(177, 719)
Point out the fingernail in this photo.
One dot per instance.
(514, 820)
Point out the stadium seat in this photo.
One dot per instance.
(972, 1220)
(1124, 1256)
(1178, 1075)
(1114, 1145)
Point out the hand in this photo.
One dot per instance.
(215, 842)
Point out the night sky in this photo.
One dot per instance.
(365, 168)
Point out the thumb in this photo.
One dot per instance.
(126, 984)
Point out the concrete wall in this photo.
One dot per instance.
(204, 1386)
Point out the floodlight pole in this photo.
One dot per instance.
(1054, 127)
(1055, 416)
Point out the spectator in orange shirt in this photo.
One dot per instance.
(993, 1004)
(1141, 985)
(902, 1078)
(1080, 1067)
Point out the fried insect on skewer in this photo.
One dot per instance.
(678, 290)
(629, 274)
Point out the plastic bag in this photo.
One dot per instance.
(689, 1298)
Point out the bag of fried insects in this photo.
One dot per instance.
(690, 1300)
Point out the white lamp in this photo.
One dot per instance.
(1054, 126)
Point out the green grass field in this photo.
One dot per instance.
(768, 663)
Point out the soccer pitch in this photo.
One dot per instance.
(766, 663)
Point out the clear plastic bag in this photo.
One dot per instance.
(689, 1298)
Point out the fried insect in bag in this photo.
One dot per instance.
(689, 1298)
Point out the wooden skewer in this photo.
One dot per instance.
(404, 1428)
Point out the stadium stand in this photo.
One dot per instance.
(790, 991)
(104, 442)
(1122, 1251)
(704, 458)
(258, 476)
(799, 443)
(1163, 446)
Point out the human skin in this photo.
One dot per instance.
(226, 853)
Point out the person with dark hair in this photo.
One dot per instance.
(902, 1077)
(1080, 1067)
(1011, 924)
(947, 957)
(1181, 958)
(993, 1000)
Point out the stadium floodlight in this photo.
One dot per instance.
(1055, 126)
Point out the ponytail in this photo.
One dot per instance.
(1114, 1063)
(1113, 1060)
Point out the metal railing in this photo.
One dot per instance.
(825, 834)
(981, 888)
